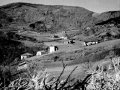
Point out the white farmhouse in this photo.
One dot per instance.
(26, 55)
(84, 44)
(40, 53)
(62, 37)
(53, 49)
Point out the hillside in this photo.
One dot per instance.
(43, 17)
(79, 23)
(52, 19)
(28, 28)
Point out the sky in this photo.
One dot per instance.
(97, 6)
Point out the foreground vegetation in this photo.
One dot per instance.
(52, 19)
(99, 78)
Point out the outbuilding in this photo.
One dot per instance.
(40, 53)
(53, 49)
(62, 37)
(26, 55)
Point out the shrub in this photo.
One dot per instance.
(105, 80)
(41, 80)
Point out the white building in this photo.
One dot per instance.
(112, 25)
(22, 66)
(53, 49)
(40, 53)
(89, 43)
(26, 55)
(84, 44)
(62, 37)
(88, 28)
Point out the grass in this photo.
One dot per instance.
(41, 80)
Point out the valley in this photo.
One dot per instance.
(35, 37)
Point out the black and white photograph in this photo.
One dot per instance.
(59, 44)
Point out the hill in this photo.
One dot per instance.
(78, 22)
(26, 27)
(52, 19)
(44, 17)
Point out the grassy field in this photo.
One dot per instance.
(83, 57)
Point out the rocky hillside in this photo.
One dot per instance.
(109, 17)
(46, 18)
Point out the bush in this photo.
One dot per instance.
(41, 80)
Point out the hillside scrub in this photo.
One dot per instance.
(99, 78)
(53, 19)
(106, 78)
(80, 24)
(12, 49)
(46, 18)
(41, 80)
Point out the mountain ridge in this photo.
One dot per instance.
(52, 18)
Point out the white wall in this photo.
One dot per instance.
(65, 38)
(83, 44)
(23, 57)
(52, 49)
(38, 53)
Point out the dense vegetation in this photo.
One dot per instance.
(103, 77)
(12, 49)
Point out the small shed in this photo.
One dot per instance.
(84, 44)
(62, 37)
(53, 49)
(22, 65)
(40, 53)
(26, 55)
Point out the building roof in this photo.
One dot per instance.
(26, 54)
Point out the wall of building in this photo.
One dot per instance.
(38, 53)
(52, 49)
(23, 57)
